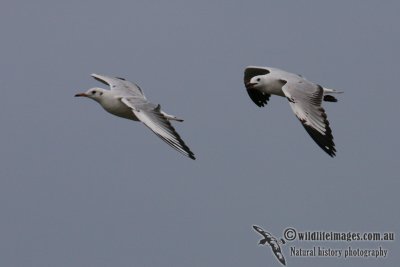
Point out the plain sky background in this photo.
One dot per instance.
(80, 187)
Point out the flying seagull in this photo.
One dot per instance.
(304, 97)
(273, 242)
(125, 99)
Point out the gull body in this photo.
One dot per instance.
(304, 97)
(126, 100)
(111, 103)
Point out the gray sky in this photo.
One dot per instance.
(79, 187)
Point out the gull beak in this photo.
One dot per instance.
(81, 94)
(250, 85)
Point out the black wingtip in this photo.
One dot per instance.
(324, 141)
(330, 98)
(250, 72)
(259, 98)
(181, 147)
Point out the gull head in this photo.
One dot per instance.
(256, 82)
(266, 83)
(93, 93)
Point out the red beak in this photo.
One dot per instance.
(81, 94)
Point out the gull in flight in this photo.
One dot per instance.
(304, 97)
(125, 99)
(273, 242)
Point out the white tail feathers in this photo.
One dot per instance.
(171, 117)
(331, 91)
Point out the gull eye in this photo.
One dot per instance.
(258, 79)
(93, 92)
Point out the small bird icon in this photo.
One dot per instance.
(273, 242)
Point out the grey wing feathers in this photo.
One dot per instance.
(259, 98)
(305, 100)
(117, 83)
(152, 117)
(323, 140)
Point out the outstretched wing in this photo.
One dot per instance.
(120, 84)
(152, 117)
(305, 100)
(259, 98)
(276, 249)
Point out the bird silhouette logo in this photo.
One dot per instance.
(272, 242)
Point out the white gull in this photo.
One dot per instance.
(125, 99)
(304, 97)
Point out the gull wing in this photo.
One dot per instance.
(120, 84)
(276, 249)
(259, 98)
(305, 100)
(152, 117)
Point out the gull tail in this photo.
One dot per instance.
(328, 97)
(171, 117)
